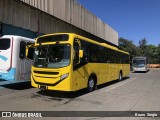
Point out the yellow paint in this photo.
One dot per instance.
(78, 79)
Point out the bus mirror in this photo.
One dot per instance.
(78, 42)
(30, 52)
(80, 53)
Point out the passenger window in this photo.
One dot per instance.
(76, 52)
(22, 53)
(84, 47)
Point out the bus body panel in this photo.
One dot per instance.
(19, 69)
(126, 70)
(140, 64)
(5, 59)
(50, 78)
(7, 70)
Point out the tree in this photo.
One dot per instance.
(142, 46)
(152, 52)
(128, 46)
(158, 53)
(143, 43)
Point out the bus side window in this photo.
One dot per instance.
(22, 52)
(76, 52)
(84, 47)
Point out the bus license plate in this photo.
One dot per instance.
(42, 87)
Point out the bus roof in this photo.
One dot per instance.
(90, 40)
(16, 36)
(102, 44)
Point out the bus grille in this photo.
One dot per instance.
(44, 72)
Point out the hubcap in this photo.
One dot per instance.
(120, 77)
(91, 83)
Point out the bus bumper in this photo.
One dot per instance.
(61, 86)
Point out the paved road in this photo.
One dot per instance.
(139, 92)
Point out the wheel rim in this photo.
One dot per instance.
(120, 77)
(91, 84)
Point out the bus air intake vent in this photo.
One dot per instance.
(44, 72)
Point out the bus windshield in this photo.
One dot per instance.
(4, 44)
(139, 63)
(52, 56)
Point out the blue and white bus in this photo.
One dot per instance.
(140, 64)
(13, 62)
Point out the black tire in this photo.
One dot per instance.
(91, 84)
(120, 76)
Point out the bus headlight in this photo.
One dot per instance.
(64, 76)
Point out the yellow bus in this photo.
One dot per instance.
(70, 62)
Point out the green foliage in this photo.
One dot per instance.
(143, 49)
(128, 46)
(158, 53)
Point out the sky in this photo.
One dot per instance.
(132, 19)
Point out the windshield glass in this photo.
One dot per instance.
(139, 63)
(52, 56)
(4, 44)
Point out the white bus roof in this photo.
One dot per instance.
(16, 36)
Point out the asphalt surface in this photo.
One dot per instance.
(138, 92)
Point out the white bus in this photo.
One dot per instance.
(13, 62)
(140, 64)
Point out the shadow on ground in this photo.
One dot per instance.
(140, 71)
(59, 94)
(18, 86)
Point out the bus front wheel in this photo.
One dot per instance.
(91, 84)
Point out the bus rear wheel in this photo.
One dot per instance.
(120, 76)
(91, 84)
